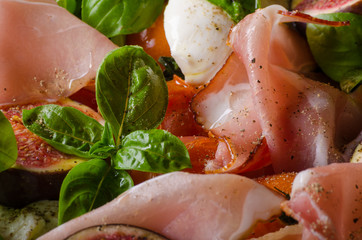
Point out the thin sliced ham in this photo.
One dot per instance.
(327, 201)
(304, 121)
(46, 52)
(225, 107)
(185, 206)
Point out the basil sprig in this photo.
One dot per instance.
(338, 50)
(132, 97)
(8, 145)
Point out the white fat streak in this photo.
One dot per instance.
(221, 104)
(197, 31)
(258, 205)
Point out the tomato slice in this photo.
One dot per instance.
(153, 40)
(179, 119)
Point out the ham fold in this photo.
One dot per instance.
(269, 95)
(185, 206)
(46, 52)
(327, 201)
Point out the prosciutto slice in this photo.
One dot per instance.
(327, 201)
(46, 52)
(304, 121)
(185, 206)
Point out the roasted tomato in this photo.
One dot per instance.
(153, 40)
(179, 119)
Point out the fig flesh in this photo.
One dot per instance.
(115, 232)
(313, 7)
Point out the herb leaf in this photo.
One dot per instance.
(237, 9)
(131, 91)
(114, 17)
(8, 145)
(73, 6)
(65, 128)
(338, 50)
(171, 68)
(106, 147)
(90, 185)
(152, 151)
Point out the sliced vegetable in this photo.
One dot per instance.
(338, 50)
(65, 128)
(152, 151)
(90, 185)
(114, 17)
(237, 9)
(131, 91)
(8, 145)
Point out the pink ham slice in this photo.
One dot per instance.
(225, 107)
(304, 121)
(185, 206)
(327, 201)
(46, 52)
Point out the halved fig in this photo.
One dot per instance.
(313, 7)
(39, 169)
(115, 232)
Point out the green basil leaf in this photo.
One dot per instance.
(152, 151)
(8, 145)
(73, 6)
(131, 91)
(114, 17)
(338, 50)
(237, 9)
(171, 68)
(65, 128)
(106, 147)
(90, 185)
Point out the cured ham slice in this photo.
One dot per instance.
(302, 120)
(185, 206)
(327, 201)
(46, 52)
(225, 107)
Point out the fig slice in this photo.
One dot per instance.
(115, 232)
(39, 169)
(315, 7)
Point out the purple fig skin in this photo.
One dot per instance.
(20, 187)
(115, 232)
(314, 8)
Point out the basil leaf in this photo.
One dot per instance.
(114, 17)
(90, 185)
(171, 68)
(131, 91)
(65, 128)
(237, 9)
(106, 147)
(8, 145)
(152, 151)
(338, 50)
(73, 6)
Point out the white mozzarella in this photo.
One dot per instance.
(197, 33)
